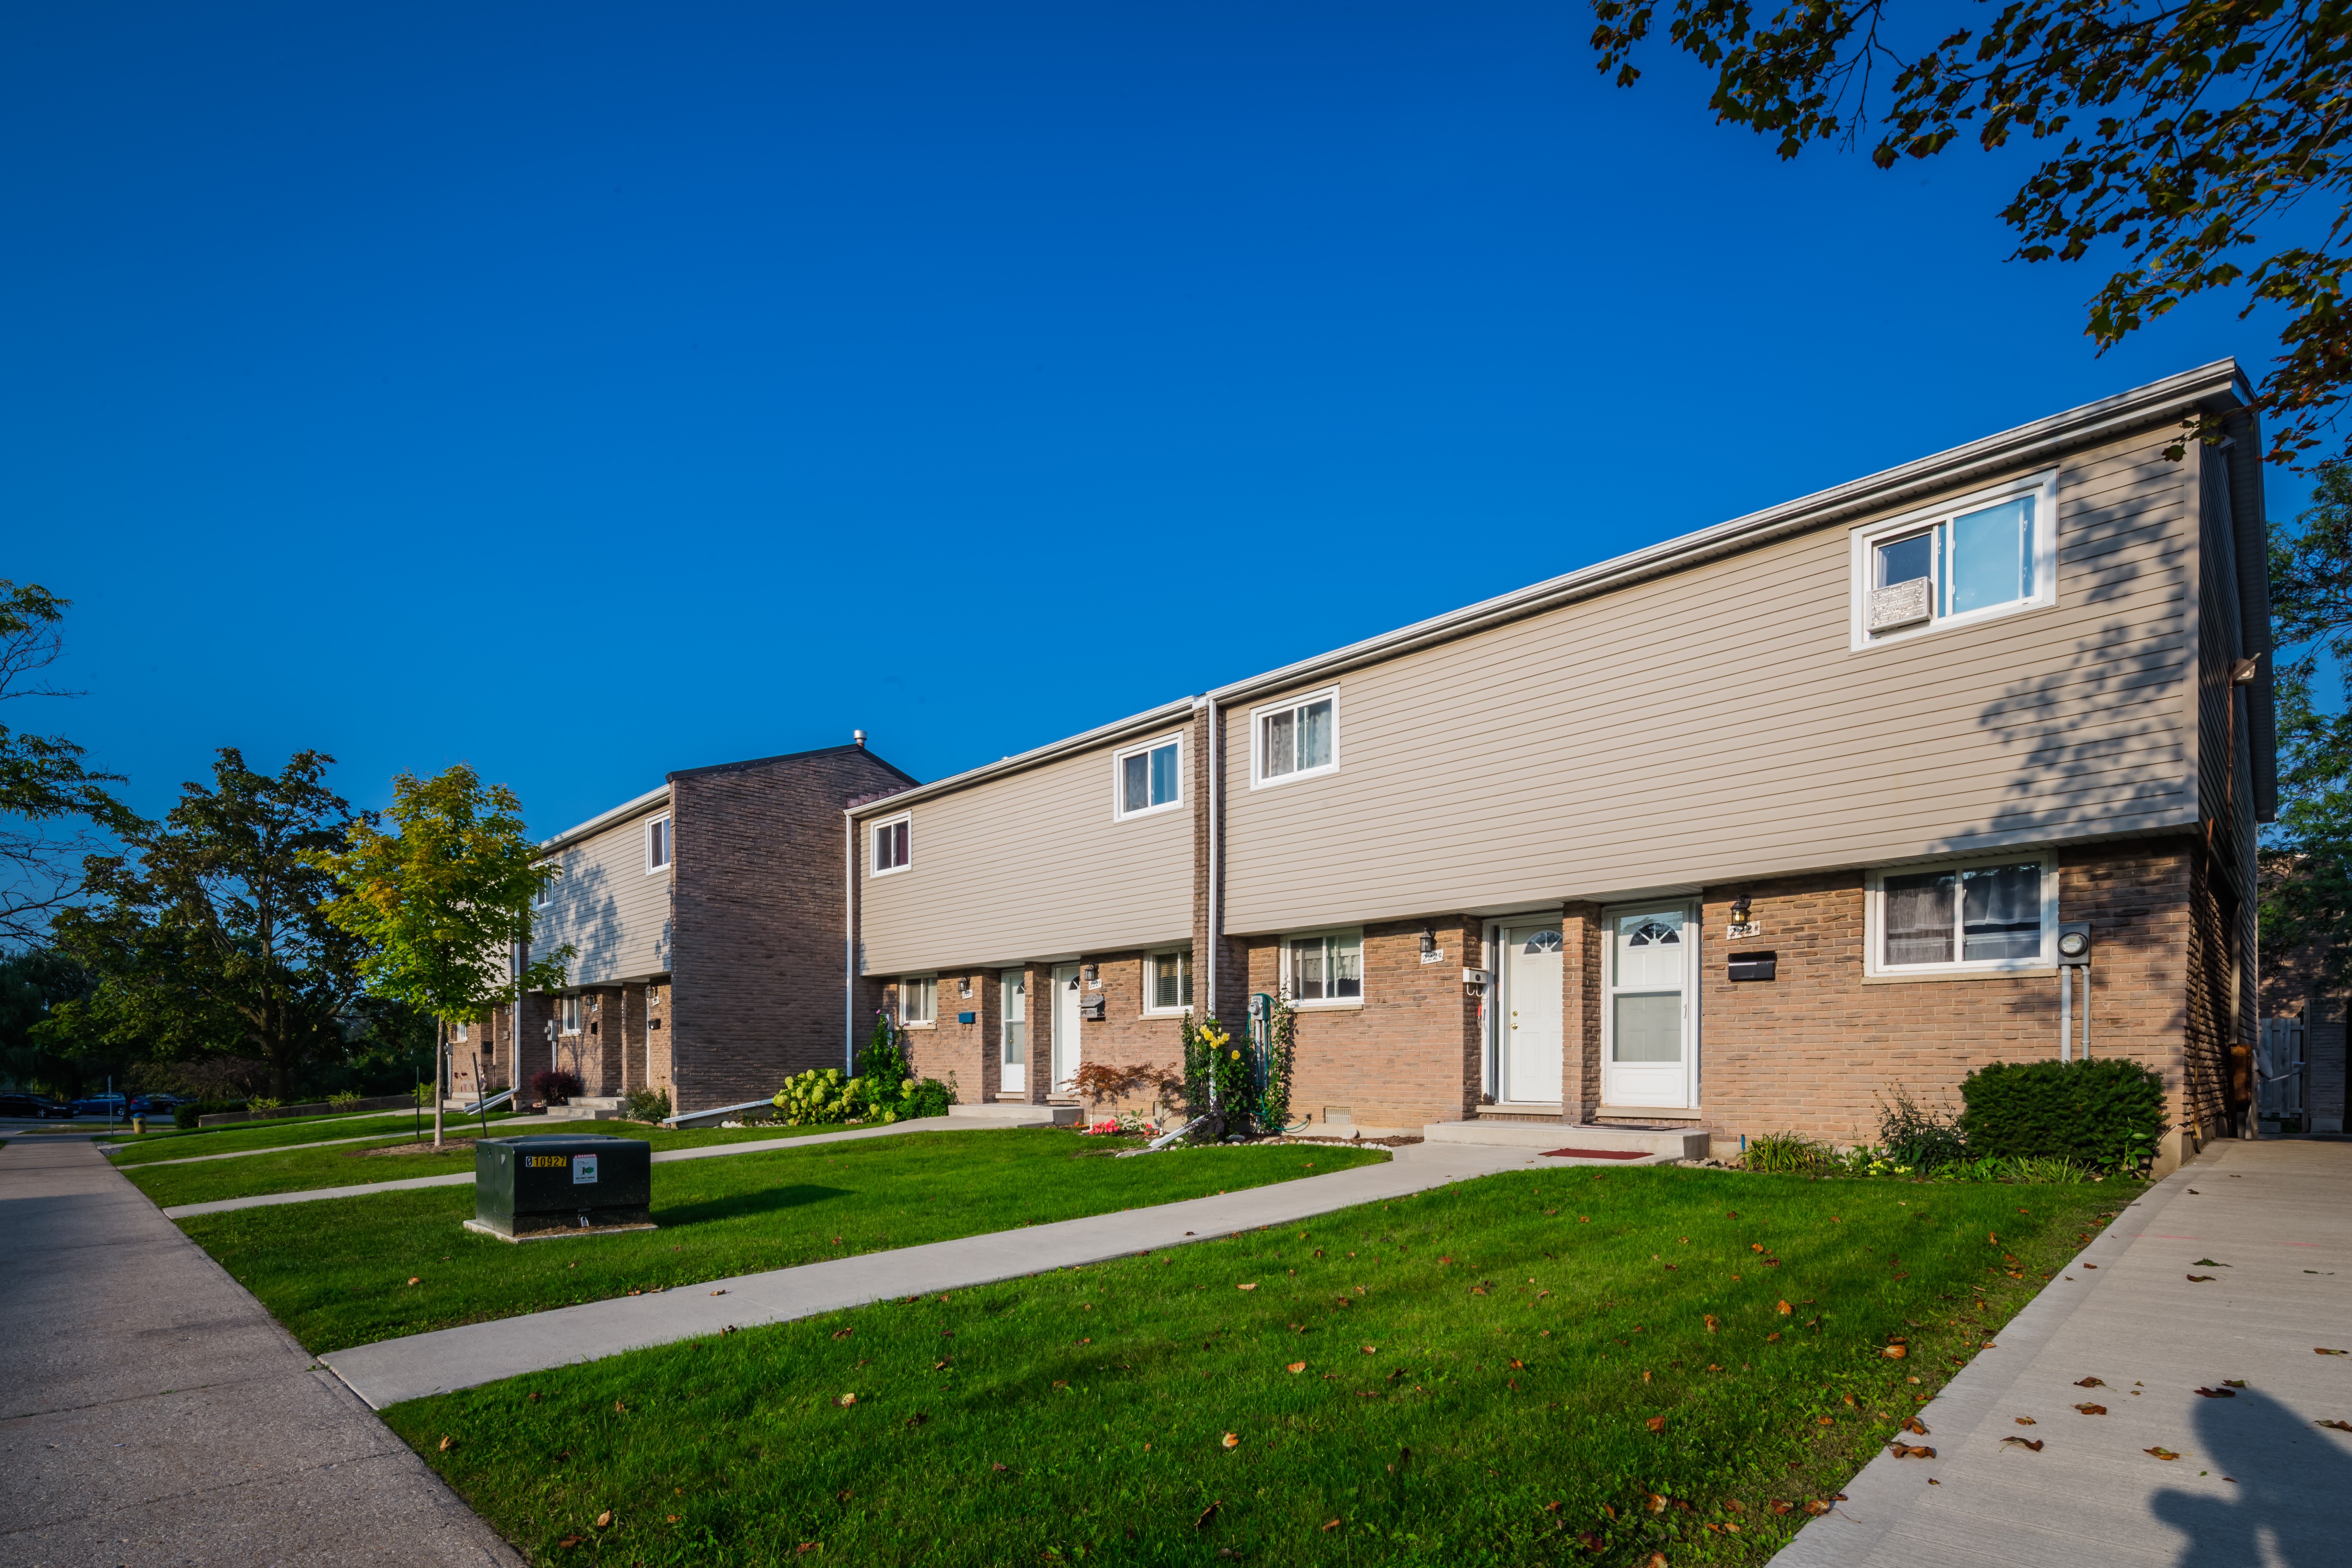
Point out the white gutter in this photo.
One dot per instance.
(1102, 735)
(605, 819)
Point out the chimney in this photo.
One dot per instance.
(858, 735)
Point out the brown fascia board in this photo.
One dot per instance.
(1111, 735)
(2217, 386)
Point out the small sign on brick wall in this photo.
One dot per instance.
(1742, 931)
(1436, 956)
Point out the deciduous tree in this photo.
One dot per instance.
(53, 808)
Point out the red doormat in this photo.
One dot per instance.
(1594, 1153)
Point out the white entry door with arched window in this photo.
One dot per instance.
(1528, 1014)
(1649, 1016)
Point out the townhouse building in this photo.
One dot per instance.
(1744, 832)
(705, 921)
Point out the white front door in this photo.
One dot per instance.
(1015, 1077)
(1647, 1012)
(1066, 1028)
(1528, 1029)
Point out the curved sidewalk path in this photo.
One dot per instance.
(660, 1157)
(154, 1413)
(2257, 1481)
(390, 1371)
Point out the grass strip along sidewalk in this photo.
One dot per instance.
(1552, 1366)
(381, 1266)
(122, 1142)
(281, 1135)
(351, 1165)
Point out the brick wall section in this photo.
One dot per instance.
(1816, 1050)
(1410, 1055)
(655, 998)
(758, 956)
(2208, 977)
(1580, 1014)
(1126, 1038)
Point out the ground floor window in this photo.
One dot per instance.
(1325, 968)
(1983, 914)
(1167, 981)
(571, 1014)
(919, 996)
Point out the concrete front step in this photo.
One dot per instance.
(1013, 1113)
(588, 1108)
(1673, 1142)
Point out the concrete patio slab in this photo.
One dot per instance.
(2257, 1479)
(155, 1414)
(393, 1370)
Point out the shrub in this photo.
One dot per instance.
(345, 1099)
(2107, 1112)
(555, 1086)
(1919, 1137)
(928, 1098)
(822, 1097)
(263, 1103)
(884, 1059)
(185, 1116)
(1785, 1154)
(648, 1105)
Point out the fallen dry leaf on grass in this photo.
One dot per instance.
(447, 1444)
(569, 1541)
(1656, 1423)
(806, 1546)
(412, 1279)
(2032, 1443)
(846, 1400)
(1296, 1367)
(604, 1519)
(2162, 1453)
(1250, 1287)
(1776, 1506)
(843, 1333)
(1895, 1352)
(1207, 1514)
(1656, 1501)
(917, 1419)
(1785, 1310)
(1232, 1440)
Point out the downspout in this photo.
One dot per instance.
(1217, 862)
(848, 943)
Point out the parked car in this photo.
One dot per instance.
(157, 1104)
(101, 1105)
(32, 1107)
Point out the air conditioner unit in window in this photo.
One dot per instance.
(1903, 604)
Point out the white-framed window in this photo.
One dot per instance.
(1984, 914)
(570, 1015)
(1295, 739)
(549, 873)
(657, 845)
(457, 1034)
(1148, 778)
(918, 999)
(1989, 553)
(891, 840)
(1167, 981)
(1325, 968)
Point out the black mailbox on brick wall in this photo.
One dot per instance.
(1755, 965)
(528, 1186)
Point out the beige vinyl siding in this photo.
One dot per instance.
(1027, 866)
(609, 906)
(1715, 724)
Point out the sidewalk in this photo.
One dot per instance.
(154, 1415)
(393, 1370)
(2257, 1481)
(660, 1157)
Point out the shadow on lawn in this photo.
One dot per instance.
(743, 1204)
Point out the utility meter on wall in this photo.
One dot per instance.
(2074, 944)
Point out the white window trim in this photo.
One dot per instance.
(1149, 960)
(1319, 1004)
(1257, 735)
(874, 830)
(458, 1035)
(2043, 487)
(930, 1023)
(569, 1013)
(669, 845)
(1118, 795)
(1874, 919)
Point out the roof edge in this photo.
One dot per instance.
(1102, 735)
(604, 819)
(841, 750)
(2016, 448)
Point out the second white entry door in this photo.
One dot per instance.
(1015, 1071)
(1528, 1032)
(1066, 1028)
(1647, 1008)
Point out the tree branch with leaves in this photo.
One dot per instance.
(54, 810)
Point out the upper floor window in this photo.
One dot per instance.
(1295, 739)
(1978, 915)
(545, 893)
(1167, 981)
(571, 1011)
(919, 998)
(458, 1033)
(657, 845)
(1324, 969)
(1989, 554)
(1151, 777)
(891, 846)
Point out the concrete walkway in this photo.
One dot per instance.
(2257, 1481)
(152, 1413)
(393, 1370)
(660, 1157)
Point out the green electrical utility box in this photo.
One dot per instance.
(551, 1185)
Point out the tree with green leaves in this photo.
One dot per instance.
(53, 808)
(2307, 871)
(440, 901)
(33, 983)
(210, 936)
(2182, 133)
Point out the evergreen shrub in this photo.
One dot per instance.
(2107, 1112)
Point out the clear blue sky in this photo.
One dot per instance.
(588, 391)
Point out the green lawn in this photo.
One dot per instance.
(1483, 1366)
(233, 1140)
(336, 1272)
(352, 1165)
(161, 1130)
